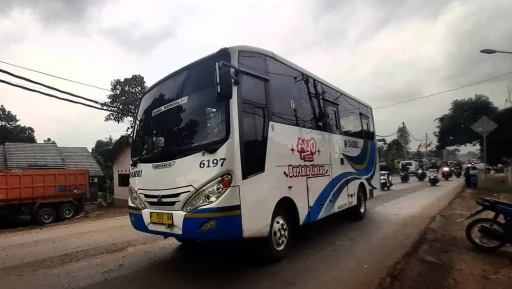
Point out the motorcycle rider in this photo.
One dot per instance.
(405, 170)
(384, 167)
(467, 178)
(474, 177)
(434, 166)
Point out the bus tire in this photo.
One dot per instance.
(358, 212)
(277, 243)
(45, 216)
(186, 241)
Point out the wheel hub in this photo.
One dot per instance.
(47, 217)
(280, 233)
(68, 212)
(482, 239)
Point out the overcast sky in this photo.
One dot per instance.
(379, 51)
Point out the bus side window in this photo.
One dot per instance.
(350, 117)
(333, 122)
(253, 120)
(367, 123)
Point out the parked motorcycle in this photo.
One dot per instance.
(433, 179)
(404, 176)
(421, 175)
(493, 234)
(446, 172)
(385, 180)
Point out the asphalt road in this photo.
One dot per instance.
(330, 254)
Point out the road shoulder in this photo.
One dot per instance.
(443, 258)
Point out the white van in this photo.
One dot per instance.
(413, 166)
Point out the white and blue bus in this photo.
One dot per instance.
(245, 144)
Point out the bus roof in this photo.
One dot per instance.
(293, 65)
(265, 52)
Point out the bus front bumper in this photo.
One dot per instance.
(213, 224)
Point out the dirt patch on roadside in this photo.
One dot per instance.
(443, 258)
(92, 212)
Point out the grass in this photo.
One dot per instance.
(494, 184)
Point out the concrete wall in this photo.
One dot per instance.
(121, 166)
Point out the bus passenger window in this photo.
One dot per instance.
(332, 119)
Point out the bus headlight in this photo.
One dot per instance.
(135, 199)
(209, 193)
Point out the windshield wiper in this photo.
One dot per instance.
(139, 158)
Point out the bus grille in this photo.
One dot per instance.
(166, 200)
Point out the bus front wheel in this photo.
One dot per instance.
(188, 242)
(277, 243)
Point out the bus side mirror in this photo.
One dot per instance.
(224, 82)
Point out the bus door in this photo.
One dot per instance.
(338, 163)
(365, 126)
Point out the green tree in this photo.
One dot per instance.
(454, 127)
(12, 131)
(381, 148)
(395, 149)
(100, 152)
(472, 155)
(452, 154)
(49, 141)
(404, 138)
(124, 96)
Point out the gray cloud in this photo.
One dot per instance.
(337, 22)
(441, 51)
(486, 26)
(54, 12)
(132, 37)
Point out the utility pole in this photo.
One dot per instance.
(485, 151)
(508, 100)
(403, 144)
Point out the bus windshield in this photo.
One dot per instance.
(181, 114)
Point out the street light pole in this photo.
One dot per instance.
(492, 51)
(485, 153)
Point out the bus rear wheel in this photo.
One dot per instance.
(277, 243)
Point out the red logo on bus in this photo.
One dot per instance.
(307, 149)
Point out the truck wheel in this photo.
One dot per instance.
(277, 243)
(45, 216)
(67, 211)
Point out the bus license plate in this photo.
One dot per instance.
(161, 218)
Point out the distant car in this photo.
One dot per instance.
(480, 166)
(499, 169)
(412, 165)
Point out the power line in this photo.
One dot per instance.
(62, 91)
(388, 135)
(445, 91)
(55, 76)
(54, 96)
(411, 135)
